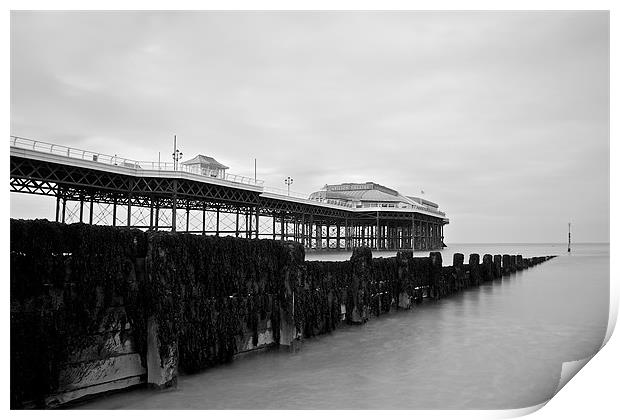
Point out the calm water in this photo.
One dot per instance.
(497, 346)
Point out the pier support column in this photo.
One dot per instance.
(58, 208)
(237, 224)
(128, 212)
(257, 222)
(377, 237)
(347, 234)
(327, 235)
(113, 213)
(64, 208)
(90, 210)
(187, 209)
(175, 186)
(338, 235)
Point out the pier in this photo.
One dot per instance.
(99, 189)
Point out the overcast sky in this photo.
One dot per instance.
(500, 117)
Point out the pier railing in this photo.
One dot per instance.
(401, 206)
(102, 158)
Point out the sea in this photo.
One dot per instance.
(497, 346)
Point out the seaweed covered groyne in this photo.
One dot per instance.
(96, 309)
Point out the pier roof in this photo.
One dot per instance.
(372, 195)
(205, 161)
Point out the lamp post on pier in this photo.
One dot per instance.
(288, 181)
(176, 155)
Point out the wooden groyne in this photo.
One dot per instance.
(96, 309)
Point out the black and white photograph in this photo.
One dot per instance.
(307, 209)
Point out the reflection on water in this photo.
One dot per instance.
(497, 346)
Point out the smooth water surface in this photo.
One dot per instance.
(497, 346)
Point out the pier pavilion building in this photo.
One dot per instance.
(400, 219)
(206, 165)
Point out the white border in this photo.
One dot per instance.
(592, 394)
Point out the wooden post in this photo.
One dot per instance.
(81, 208)
(497, 266)
(161, 372)
(436, 282)
(474, 269)
(487, 267)
(505, 264)
(217, 221)
(459, 271)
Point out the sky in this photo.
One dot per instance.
(502, 118)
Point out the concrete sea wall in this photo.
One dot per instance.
(97, 309)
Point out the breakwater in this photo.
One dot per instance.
(99, 308)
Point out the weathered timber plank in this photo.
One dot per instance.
(85, 374)
(100, 346)
(65, 397)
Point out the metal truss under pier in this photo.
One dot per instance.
(106, 190)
